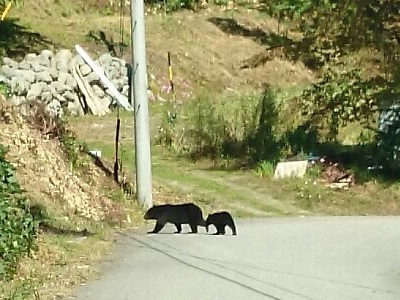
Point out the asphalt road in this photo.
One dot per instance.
(277, 258)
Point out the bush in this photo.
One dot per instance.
(17, 226)
(174, 5)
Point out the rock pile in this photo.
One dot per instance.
(64, 82)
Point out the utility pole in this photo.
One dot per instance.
(141, 106)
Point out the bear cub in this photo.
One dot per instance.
(220, 220)
(178, 214)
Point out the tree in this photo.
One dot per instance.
(332, 29)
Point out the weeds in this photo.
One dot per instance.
(23, 291)
(17, 226)
(4, 88)
(57, 128)
(224, 129)
(265, 168)
(73, 149)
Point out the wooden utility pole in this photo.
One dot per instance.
(141, 106)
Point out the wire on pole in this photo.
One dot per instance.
(117, 131)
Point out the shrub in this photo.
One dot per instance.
(17, 226)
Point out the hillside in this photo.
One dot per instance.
(190, 37)
(70, 203)
(221, 78)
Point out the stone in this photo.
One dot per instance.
(92, 78)
(58, 86)
(85, 70)
(43, 61)
(44, 76)
(9, 62)
(111, 73)
(53, 91)
(17, 100)
(61, 60)
(62, 77)
(70, 96)
(30, 57)
(62, 65)
(75, 109)
(46, 97)
(107, 100)
(36, 66)
(61, 99)
(28, 75)
(108, 92)
(34, 91)
(105, 60)
(125, 80)
(48, 77)
(45, 86)
(47, 54)
(77, 60)
(19, 86)
(53, 73)
(54, 108)
(125, 90)
(24, 65)
(71, 82)
(98, 91)
(119, 84)
(8, 72)
(5, 80)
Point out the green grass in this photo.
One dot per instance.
(210, 188)
(244, 192)
(168, 170)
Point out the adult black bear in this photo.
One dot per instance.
(178, 214)
(220, 220)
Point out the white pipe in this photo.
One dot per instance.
(118, 96)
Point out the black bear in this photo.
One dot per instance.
(178, 214)
(220, 220)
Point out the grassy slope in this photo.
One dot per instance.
(190, 37)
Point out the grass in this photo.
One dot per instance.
(244, 191)
(61, 262)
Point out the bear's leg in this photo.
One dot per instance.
(233, 228)
(178, 227)
(193, 226)
(221, 229)
(158, 227)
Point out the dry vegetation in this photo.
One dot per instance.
(45, 173)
